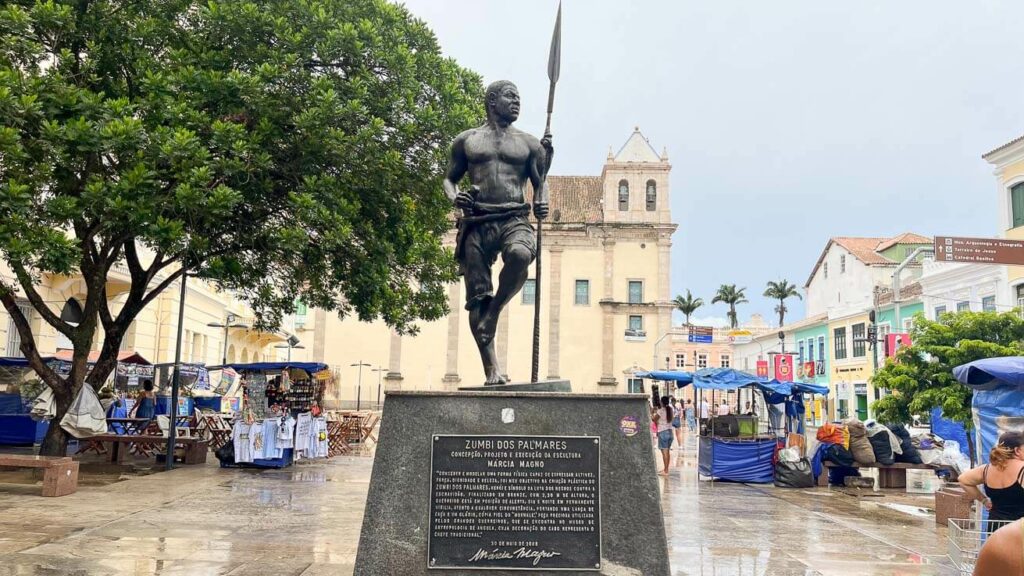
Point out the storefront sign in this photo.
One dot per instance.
(701, 334)
(515, 503)
(860, 388)
(741, 337)
(762, 368)
(784, 367)
(979, 250)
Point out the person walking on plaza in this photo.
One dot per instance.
(145, 406)
(1002, 478)
(691, 418)
(662, 417)
(677, 423)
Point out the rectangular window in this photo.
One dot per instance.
(858, 340)
(842, 264)
(800, 352)
(821, 348)
(583, 292)
(964, 306)
(1020, 291)
(1017, 204)
(530, 291)
(988, 304)
(13, 336)
(636, 291)
(810, 349)
(702, 360)
(635, 386)
(636, 323)
(839, 336)
(883, 331)
(724, 361)
(680, 360)
(908, 325)
(939, 311)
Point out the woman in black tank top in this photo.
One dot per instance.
(1005, 502)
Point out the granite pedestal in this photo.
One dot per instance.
(396, 523)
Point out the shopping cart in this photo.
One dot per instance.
(966, 536)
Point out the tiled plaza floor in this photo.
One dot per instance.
(199, 521)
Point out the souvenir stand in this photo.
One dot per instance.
(998, 400)
(733, 448)
(129, 374)
(194, 385)
(17, 428)
(281, 419)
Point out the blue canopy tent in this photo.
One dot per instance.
(17, 428)
(998, 401)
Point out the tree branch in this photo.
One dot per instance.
(25, 281)
(28, 343)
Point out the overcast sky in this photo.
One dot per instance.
(786, 121)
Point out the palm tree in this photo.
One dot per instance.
(780, 291)
(687, 305)
(728, 294)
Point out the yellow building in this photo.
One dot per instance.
(154, 332)
(605, 301)
(1008, 160)
(851, 366)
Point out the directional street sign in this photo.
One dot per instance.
(979, 250)
(701, 334)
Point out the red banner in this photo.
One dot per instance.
(784, 367)
(893, 342)
(808, 369)
(762, 368)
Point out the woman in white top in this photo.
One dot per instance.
(662, 417)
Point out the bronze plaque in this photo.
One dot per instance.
(515, 503)
(979, 250)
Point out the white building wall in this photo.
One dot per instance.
(948, 283)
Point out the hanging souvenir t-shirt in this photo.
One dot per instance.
(256, 393)
(303, 428)
(240, 436)
(270, 448)
(321, 437)
(286, 433)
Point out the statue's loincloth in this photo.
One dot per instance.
(482, 236)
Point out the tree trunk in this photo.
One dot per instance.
(55, 443)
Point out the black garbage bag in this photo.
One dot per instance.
(837, 476)
(794, 474)
(882, 447)
(910, 454)
(226, 453)
(838, 455)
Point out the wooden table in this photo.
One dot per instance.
(60, 473)
(129, 425)
(147, 444)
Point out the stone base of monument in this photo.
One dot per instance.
(513, 483)
(544, 386)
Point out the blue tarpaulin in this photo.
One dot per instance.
(737, 460)
(998, 401)
(680, 378)
(311, 367)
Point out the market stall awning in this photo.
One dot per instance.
(12, 362)
(809, 388)
(991, 373)
(311, 367)
(679, 377)
(732, 379)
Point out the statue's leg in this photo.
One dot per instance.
(476, 265)
(485, 344)
(518, 250)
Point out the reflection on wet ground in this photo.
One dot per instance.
(305, 520)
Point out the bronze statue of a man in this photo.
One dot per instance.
(499, 159)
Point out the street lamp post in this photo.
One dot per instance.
(378, 370)
(359, 389)
(228, 324)
(292, 342)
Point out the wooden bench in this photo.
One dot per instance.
(891, 476)
(60, 473)
(195, 448)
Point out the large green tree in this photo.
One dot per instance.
(287, 149)
(729, 294)
(781, 291)
(921, 378)
(687, 305)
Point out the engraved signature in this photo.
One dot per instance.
(517, 554)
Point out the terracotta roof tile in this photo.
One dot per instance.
(574, 199)
(868, 250)
(905, 238)
(1003, 147)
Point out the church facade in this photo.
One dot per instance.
(605, 297)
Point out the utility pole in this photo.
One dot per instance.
(378, 370)
(359, 390)
(229, 323)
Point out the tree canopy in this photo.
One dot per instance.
(282, 150)
(687, 305)
(781, 291)
(729, 294)
(921, 378)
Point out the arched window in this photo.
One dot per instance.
(245, 355)
(652, 195)
(231, 354)
(623, 195)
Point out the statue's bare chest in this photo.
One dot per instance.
(507, 149)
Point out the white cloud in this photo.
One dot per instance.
(714, 321)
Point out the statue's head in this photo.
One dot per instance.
(502, 101)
